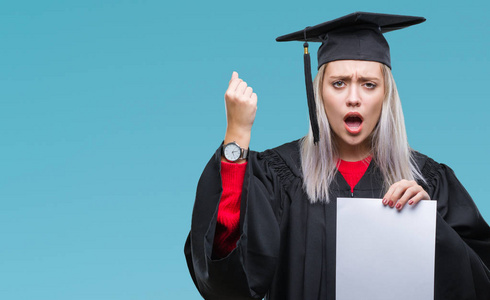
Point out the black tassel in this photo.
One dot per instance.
(310, 95)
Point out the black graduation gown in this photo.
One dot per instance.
(287, 245)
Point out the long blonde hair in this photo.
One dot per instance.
(389, 145)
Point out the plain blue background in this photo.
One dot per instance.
(110, 110)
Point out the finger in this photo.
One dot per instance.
(248, 92)
(234, 76)
(233, 86)
(254, 98)
(388, 194)
(241, 88)
(397, 195)
(408, 194)
(419, 197)
(389, 198)
(399, 190)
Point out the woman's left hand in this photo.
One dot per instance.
(404, 191)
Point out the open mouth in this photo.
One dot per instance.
(353, 122)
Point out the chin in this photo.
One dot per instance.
(355, 141)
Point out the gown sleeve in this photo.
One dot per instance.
(462, 238)
(248, 270)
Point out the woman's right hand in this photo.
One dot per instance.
(241, 106)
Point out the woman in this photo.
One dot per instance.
(279, 241)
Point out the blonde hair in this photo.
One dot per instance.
(389, 145)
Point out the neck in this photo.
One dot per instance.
(353, 153)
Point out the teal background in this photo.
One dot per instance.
(109, 111)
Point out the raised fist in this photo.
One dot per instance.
(241, 106)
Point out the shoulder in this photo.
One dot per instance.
(427, 166)
(284, 160)
(433, 172)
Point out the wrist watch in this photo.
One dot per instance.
(232, 152)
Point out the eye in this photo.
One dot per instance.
(370, 85)
(338, 84)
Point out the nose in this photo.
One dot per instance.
(353, 97)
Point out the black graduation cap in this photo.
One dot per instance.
(357, 36)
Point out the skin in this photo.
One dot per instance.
(348, 86)
(241, 106)
(352, 86)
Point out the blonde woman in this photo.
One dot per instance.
(264, 223)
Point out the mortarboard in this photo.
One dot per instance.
(357, 36)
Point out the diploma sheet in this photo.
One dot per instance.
(383, 253)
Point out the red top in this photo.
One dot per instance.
(352, 171)
(227, 231)
(232, 175)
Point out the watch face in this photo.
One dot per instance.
(232, 152)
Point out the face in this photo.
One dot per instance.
(353, 94)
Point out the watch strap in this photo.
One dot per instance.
(244, 153)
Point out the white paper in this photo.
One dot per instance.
(383, 253)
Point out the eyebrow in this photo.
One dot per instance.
(362, 78)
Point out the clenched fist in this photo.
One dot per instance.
(241, 106)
